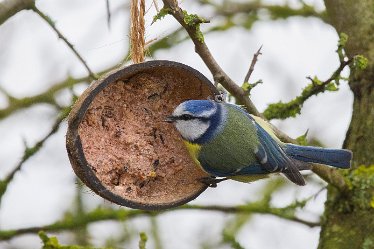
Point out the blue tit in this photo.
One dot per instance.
(226, 141)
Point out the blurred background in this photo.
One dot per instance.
(32, 59)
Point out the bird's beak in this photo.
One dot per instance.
(170, 119)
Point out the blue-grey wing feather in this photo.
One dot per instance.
(271, 156)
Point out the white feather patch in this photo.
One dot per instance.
(192, 129)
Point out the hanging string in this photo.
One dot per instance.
(137, 30)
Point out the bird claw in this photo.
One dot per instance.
(211, 181)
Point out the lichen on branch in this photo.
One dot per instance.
(292, 108)
(203, 51)
(245, 13)
(53, 243)
(194, 22)
(30, 151)
(74, 221)
(161, 14)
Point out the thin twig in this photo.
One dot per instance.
(16, 104)
(221, 77)
(253, 208)
(252, 66)
(102, 214)
(202, 49)
(254, 8)
(47, 97)
(335, 75)
(330, 175)
(108, 14)
(284, 110)
(156, 5)
(28, 153)
(62, 37)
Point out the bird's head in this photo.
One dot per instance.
(198, 121)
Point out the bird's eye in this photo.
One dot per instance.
(186, 117)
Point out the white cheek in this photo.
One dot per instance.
(191, 129)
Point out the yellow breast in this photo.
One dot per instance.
(194, 150)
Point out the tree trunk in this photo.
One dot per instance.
(348, 221)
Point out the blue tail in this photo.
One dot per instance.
(334, 157)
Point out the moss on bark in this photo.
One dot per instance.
(349, 217)
(348, 222)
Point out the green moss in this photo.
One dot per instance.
(30, 151)
(360, 62)
(282, 110)
(161, 14)
(368, 244)
(143, 241)
(302, 139)
(64, 112)
(247, 87)
(362, 176)
(361, 186)
(372, 202)
(3, 186)
(343, 38)
(199, 35)
(332, 87)
(52, 243)
(4, 235)
(291, 109)
(230, 239)
(285, 11)
(194, 21)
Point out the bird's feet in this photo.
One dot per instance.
(212, 181)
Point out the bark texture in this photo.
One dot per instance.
(349, 217)
(9, 8)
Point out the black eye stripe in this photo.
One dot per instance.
(187, 117)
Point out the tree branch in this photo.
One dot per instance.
(252, 66)
(73, 222)
(62, 37)
(108, 14)
(275, 11)
(8, 8)
(191, 23)
(47, 97)
(246, 86)
(332, 176)
(31, 151)
(16, 104)
(291, 109)
(257, 208)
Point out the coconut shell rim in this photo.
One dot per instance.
(74, 145)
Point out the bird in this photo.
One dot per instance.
(227, 142)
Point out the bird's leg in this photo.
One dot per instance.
(212, 181)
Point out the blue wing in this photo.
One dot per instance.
(271, 156)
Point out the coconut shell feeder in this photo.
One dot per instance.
(119, 144)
